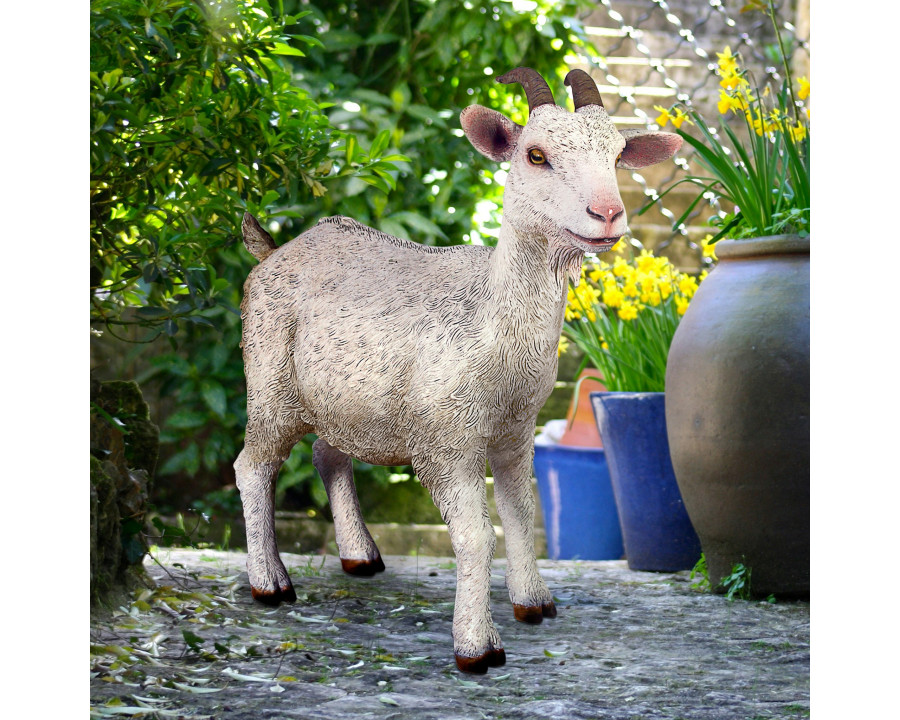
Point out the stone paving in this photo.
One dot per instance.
(625, 645)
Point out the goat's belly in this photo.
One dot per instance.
(376, 441)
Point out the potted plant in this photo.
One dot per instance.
(623, 315)
(737, 381)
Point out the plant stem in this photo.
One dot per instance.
(784, 60)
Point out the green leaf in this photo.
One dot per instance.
(555, 653)
(193, 641)
(186, 419)
(280, 48)
(380, 143)
(270, 197)
(418, 222)
(214, 396)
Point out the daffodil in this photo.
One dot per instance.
(676, 117)
(621, 314)
(664, 115)
(709, 251)
(727, 61)
(687, 286)
(621, 267)
(563, 346)
(647, 262)
(803, 90)
(798, 132)
(628, 311)
(613, 297)
(730, 81)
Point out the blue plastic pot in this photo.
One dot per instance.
(656, 529)
(577, 503)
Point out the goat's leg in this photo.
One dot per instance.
(511, 467)
(269, 579)
(458, 490)
(359, 554)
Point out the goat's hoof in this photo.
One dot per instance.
(534, 614)
(479, 665)
(363, 568)
(284, 594)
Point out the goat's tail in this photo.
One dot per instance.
(257, 241)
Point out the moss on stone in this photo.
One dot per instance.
(124, 450)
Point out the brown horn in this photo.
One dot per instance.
(536, 88)
(584, 89)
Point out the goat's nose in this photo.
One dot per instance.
(607, 212)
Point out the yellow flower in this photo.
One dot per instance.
(798, 132)
(709, 251)
(665, 288)
(755, 121)
(562, 347)
(730, 81)
(664, 116)
(676, 117)
(587, 295)
(573, 311)
(612, 297)
(647, 263)
(727, 61)
(681, 304)
(679, 117)
(628, 311)
(803, 92)
(621, 267)
(687, 285)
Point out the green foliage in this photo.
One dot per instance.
(737, 583)
(701, 572)
(292, 112)
(194, 118)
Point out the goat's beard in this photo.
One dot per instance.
(566, 261)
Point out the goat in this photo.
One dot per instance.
(398, 353)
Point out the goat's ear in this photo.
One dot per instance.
(491, 133)
(647, 147)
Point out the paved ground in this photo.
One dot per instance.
(625, 645)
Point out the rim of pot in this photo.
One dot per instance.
(768, 245)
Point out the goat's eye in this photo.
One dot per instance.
(618, 157)
(536, 157)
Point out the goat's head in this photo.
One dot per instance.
(562, 182)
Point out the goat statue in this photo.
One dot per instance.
(398, 353)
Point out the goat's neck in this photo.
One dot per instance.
(526, 291)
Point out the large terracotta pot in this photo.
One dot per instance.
(737, 413)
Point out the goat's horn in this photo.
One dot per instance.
(584, 89)
(536, 88)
